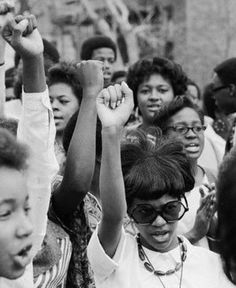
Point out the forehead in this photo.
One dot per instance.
(186, 115)
(156, 203)
(60, 88)
(155, 80)
(104, 52)
(13, 185)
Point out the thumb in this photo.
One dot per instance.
(128, 93)
(125, 89)
(19, 29)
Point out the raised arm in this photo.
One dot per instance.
(6, 10)
(36, 126)
(80, 161)
(114, 106)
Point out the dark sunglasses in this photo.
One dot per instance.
(172, 211)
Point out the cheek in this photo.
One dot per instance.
(6, 240)
(71, 108)
(168, 97)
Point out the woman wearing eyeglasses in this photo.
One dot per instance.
(148, 179)
(183, 120)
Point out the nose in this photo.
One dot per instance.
(106, 64)
(155, 95)
(54, 104)
(25, 227)
(190, 134)
(159, 221)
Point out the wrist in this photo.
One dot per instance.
(112, 130)
(92, 91)
(192, 236)
(32, 58)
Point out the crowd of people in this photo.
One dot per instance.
(113, 178)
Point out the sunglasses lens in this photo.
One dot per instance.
(173, 211)
(144, 214)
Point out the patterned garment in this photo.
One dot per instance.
(52, 261)
(80, 227)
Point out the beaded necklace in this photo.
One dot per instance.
(149, 267)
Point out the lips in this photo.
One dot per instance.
(23, 257)
(153, 108)
(192, 148)
(161, 236)
(57, 119)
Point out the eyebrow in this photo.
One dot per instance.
(183, 122)
(12, 201)
(58, 96)
(159, 85)
(7, 201)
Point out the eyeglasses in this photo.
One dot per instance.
(145, 214)
(185, 129)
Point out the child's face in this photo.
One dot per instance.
(15, 225)
(152, 94)
(159, 235)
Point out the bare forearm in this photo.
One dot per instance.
(80, 159)
(112, 189)
(33, 74)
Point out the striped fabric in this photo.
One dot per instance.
(56, 276)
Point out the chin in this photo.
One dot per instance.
(13, 274)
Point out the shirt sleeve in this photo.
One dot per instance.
(37, 129)
(2, 90)
(102, 265)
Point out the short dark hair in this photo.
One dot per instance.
(169, 70)
(69, 130)
(226, 71)
(96, 42)
(163, 116)
(152, 169)
(66, 72)
(209, 103)
(226, 199)
(12, 154)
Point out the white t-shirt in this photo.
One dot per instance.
(202, 268)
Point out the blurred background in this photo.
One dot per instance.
(197, 34)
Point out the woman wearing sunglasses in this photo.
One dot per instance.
(182, 120)
(148, 179)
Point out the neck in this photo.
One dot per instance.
(145, 125)
(59, 138)
(194, 167)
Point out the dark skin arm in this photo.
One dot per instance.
(80, 161)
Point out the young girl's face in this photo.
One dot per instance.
(152, 94)
(159, 235)
(192, 140)
(15, 225)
